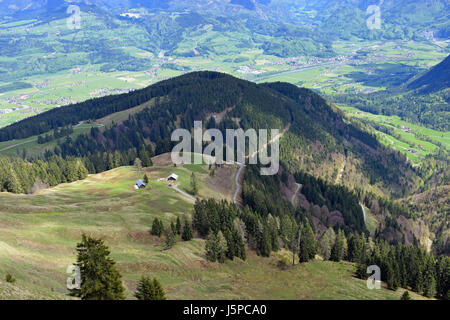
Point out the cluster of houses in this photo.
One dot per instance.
(140, 184)
(406, 129)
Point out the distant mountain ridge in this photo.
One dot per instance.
(401, 19)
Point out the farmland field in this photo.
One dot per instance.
(55, 78)
(410, 139)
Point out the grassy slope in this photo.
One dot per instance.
(38, 234)
(410, 140)
(31, 146)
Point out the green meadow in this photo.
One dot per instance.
(413, 142)
(39, 233)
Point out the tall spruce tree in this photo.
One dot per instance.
(211, 247)
(221, 247)
(178, 226)
(149, 289)
(194, 184)
(170, 240)
(187, 231)
(100, 280)
(338, 249)
(326, 243)
(308, 246)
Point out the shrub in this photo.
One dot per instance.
(9, 278)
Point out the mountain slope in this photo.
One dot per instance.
(437, 78)
(400, 19)
(39, 233)
(320, 138)
(423, 98)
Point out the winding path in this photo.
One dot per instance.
(238, 184)
(18, 144)
(187, 195)
(296, 192)
(35, 139)
(241, 166)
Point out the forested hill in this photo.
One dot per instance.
(434, 80)
(321, 140)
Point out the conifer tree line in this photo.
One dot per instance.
(24, 176)
(100, 107)
(229, 229)
(263, 195)
(20, 176)
(57, 134)
(401, 266)
(335, 197)
(173, 232)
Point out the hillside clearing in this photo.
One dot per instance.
(38, 234)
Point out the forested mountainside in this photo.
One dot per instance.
(424, 99)
(339, 165)
(320, 141)
(340, 169)
(435, 79)
(401, 19)
(432, 207)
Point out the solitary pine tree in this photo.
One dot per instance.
(149, 289)
(194, 184)
(178, 226)
(100, 280)
(170, 238)
(187, 231)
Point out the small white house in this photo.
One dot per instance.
(140, 184)
(172, 178)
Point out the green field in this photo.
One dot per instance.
(412, 142)
(39, 232)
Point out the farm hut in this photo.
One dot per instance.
(172, 178)
(140, 184)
